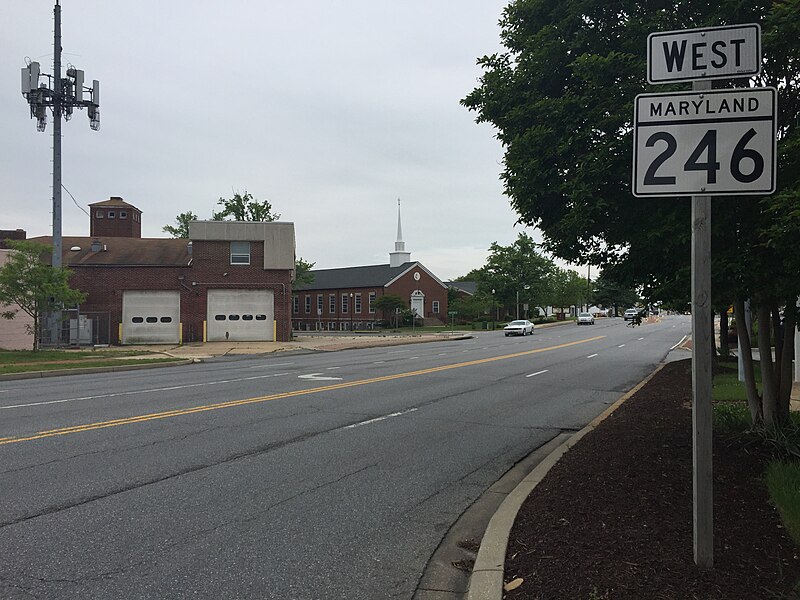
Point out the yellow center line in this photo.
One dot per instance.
(232, 403)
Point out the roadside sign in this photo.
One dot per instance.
(710, 143)
(452, 313)
(707, 53)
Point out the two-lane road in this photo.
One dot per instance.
(330, 475)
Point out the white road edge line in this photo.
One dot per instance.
(375, 420)
(537, 373)
(135, 392)
(679, 343)
(332, 368)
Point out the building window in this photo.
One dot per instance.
(240, 253)
(372, 296)
(123, 214)
(345, 303)
(332, 304)
(295, 304)
(320, 304)
(99, 214)
(435, 307)
(357, 306)
(308, 304)
(111, 214)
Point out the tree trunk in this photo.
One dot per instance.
(753, 401)
(724, 339)
(768, 391)
(785, 362)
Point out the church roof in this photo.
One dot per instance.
(354, 277)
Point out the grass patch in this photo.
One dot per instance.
(783, 482)
(29, 356)
(24, 361)
(54, 366)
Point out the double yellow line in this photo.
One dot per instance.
(233, 403)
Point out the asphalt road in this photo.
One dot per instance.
(302, 476)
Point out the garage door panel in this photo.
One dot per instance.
(151, 317)
(240, 315)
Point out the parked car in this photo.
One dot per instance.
(585, 319)
(522, 327)
(630, 314)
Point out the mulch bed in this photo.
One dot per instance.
(613, 519)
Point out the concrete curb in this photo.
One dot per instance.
(89, 370)
(486, 582)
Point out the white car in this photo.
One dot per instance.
(585, 319)
(630, 314)
(518, 328)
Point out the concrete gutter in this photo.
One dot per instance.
(486, 582)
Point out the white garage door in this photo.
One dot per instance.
(240, 315)
(150, 317)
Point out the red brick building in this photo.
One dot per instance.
(229, 281)
(341, 299)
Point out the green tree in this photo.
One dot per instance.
(302, 271)
(565, 288)
(561, 97)
(34, 286)
(243, 207)
(610, 294)
(181, 227)
(518, 271)
(389, 303)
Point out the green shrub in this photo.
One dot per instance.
(783, 482)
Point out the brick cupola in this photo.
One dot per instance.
(115, 218)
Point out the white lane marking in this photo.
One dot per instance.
(375, 420)
(621, 346)
(271, 365)
(591, 355)
(537, 373)
(380, 362)
(147, 391)
(442, 354)
(679, 343)
(397, 351)
(318, 377)
(462, 352)
(640, 339)
(413, 357)
(332, 368)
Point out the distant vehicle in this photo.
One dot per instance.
(518, 328)
(585, 319)
(630, 314)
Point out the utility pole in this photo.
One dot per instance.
(61, 96)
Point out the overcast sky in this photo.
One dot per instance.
(329, 110)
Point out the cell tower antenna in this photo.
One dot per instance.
(61, 95)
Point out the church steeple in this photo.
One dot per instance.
(399, 256)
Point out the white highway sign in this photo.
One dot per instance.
(716, 142)
(709, 53)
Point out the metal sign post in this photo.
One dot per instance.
(704, 143)
(702, 356)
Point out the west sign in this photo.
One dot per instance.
(709, 53)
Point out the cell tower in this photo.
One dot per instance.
(61, 95)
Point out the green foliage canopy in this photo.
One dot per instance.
(34, 286)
